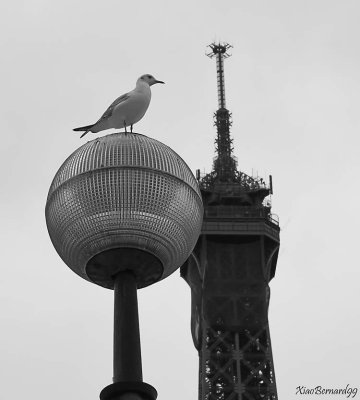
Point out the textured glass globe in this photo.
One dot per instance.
(124, 202)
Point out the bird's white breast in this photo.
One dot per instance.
(133, 109)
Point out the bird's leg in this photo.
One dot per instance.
(125, 127)
(131, 126)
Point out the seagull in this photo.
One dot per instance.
(126, 110)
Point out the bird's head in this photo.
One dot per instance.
(149, 79)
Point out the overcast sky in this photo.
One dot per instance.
(293, 87)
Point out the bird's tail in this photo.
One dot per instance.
(83, 128)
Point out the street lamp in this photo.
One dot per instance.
(124, 211)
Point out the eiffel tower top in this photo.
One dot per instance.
(224, 163)
(225, 177)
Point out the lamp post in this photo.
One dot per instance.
(124, 211)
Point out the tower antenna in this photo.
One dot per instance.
(220, 50)
(224, 163)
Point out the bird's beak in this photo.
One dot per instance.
(159, 82)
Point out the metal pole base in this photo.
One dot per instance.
(128, 384)
(127, 351)
(128, 391)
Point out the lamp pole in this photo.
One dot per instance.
(127, 351)
(124, 211)
(127, 377)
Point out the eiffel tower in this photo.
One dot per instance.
(230, 269)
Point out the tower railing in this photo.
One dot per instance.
(240, 212)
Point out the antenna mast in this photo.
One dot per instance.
(224, 163)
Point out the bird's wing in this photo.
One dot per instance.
(115, 103)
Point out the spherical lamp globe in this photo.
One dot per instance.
(124, 202)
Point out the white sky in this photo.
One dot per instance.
(293, 87)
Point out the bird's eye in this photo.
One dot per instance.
(149, 76)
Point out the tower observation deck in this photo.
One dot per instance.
(230, 269)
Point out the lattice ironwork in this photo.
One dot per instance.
(236, 365)
(229, 275)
